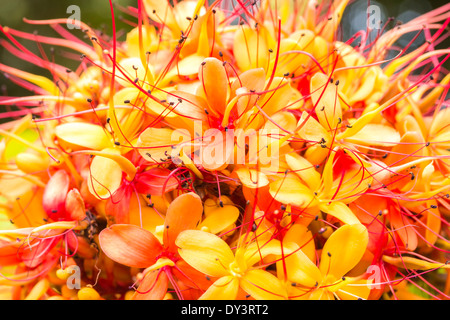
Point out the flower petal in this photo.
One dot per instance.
(251, 178)
(304, 169)
(290, 190)
(214, 81)
(55, 192)
(324, 96)
(153, 287)
(183, 213)
(219, 219)
(300, 269)
(385, 136)
(80, 135)
(263, 285)
(105, 176)
(357, 289)
(155, 144)
(225, 288)
(343, 250)
(130, 245)
(250, 47)
(155, 181)
(205, 252)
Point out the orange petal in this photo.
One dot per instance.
(184, 213)
(130, 245)
(214, 81)
(153, 286)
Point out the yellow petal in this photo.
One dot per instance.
(259, 250)
(358, 289)
(304, 169)
(252, 178)
(300, 235)
(300, 269)
(205, 252)
(290, 190)
(278, 96)
(414, 263)
(373, 134)
(83, 135)
(105, 176)
(250, 47)
(312, 131)
(219, 219)
(225, 288)
(155, 144)
(324, 96)
(263, 285)
(252, 80)
(161, 11)
(343, 250)
(340, 211)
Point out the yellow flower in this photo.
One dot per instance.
(212, 256)
(340, 254)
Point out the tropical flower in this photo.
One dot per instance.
(160, 259)
(227, 152)
(212, 256)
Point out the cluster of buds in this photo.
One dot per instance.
(227, 151)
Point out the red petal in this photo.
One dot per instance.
(155, 181)
(117, 206)
(130, 245)
(75, 206)
(32, 256)
(54, 198)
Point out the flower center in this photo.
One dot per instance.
(235, 269)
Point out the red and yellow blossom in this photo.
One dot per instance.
(220, 151)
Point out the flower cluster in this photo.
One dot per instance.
(229, 152)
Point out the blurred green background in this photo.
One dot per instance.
(97, 15)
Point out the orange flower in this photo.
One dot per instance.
(135, 247)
